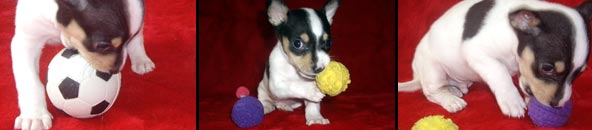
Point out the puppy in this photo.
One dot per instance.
(490, 41)
(102, 31)
(302, 51)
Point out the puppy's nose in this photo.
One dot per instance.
(319, 70)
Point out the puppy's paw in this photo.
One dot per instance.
(33, 121)
(512, 105)
(320, 121)
(453, 103)
(142, 65)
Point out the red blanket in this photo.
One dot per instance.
(236, 39)
(164, 99)
(482, 111)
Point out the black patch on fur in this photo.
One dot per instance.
(326, 28)
(475, 17)
(554, 43)
(101, 20)
(296, 24)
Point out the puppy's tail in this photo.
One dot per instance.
(409, 86)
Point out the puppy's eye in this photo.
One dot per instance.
(297, 44)
(547, 69)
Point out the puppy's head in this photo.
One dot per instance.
(98, 29)
(553, 49)
(304, 34)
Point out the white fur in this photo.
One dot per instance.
(36, 25)
(443, 58)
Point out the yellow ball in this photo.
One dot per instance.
(436, 122)
(334, 79)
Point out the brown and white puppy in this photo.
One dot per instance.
(300, 53)
(491, 40)
(103, 32)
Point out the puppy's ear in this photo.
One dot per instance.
(585, 9)
(330, 7)
(525, 21)
(277, 10)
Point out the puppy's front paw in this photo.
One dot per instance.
(453, 104)
(142, 65)
(320, 121)
(33, 121)
(512, 105)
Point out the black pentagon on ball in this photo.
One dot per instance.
(69, 53)
(69, 88)
(103, 75)
(99, 107)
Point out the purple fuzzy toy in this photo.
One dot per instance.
(248, 110)
(545, 116)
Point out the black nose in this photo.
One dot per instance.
(554, 103)
(319, 70)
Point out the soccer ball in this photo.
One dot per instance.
(77, 89)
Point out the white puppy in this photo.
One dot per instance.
(490, 41)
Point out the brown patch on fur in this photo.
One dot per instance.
(304, 37)
(325, 36)
(559, 66)
(543, 91)
(303, 63)
(74, 30)
(74, 35)
(116, 42)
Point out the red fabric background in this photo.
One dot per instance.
(482, 111)
(163, 99)
(236, 39)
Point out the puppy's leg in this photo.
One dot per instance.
(283, 89)
(313, 113)
(263, 96)
(25, 52)
(458, 88)
(496, 75)
(288, 104)
(436, 89)
(141, 63)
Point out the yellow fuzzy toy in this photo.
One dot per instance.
(334, 79)
(436, 122)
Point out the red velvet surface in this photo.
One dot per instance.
(236, 39)
(162, 99)
(482, 111)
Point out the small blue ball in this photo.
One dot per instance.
(247, 112)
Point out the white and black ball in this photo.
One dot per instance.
(77, 89)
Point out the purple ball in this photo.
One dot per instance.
(545, 116)
(247, 112)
